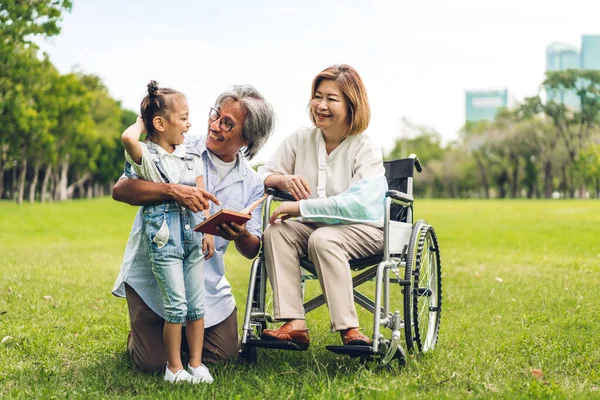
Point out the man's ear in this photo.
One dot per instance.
(159, 123)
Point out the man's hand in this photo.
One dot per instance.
(193, 198)
(246, 243)
(232, 231)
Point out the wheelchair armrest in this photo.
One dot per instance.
(279, 195)
(396, 195)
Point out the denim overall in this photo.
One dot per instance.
(176, 251)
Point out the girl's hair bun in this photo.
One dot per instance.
(152, 88)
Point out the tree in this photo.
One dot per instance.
(74, 123)
(572, 125)
(423, 141)
(24, 123)
(20, 22)
(587, 168)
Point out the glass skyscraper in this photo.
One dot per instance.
(559, 57)
(590, 51)
(483, 104)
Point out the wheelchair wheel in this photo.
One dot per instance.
(423, 298)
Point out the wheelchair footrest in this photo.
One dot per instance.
(366, 352)
(275, 344)
(352, 351)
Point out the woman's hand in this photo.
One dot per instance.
(286, 210)
(296, 185)
(208, 246)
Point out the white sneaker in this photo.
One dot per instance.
(180, 376)
(201, 373)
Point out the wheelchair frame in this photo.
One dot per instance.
(411, 248)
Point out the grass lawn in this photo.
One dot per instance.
(520, 280)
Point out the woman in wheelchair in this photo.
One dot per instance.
(336, 175)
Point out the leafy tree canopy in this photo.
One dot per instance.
(21, 18)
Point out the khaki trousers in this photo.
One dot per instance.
(145, 342)
(328, 247)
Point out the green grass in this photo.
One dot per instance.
(520, 280)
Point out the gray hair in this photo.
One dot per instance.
(260, 119)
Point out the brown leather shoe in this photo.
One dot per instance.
(353, 337)
(287, 333)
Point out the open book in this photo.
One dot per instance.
(209, 225)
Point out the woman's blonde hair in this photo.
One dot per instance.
(354, 92)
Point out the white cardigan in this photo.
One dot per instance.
(354, 186)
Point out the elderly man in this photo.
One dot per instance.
(238, 126)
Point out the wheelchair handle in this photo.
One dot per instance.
(418, 165)
(280, 195)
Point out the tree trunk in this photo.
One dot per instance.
(22, 175)
(44, 195)
(13, 184)
(78, 184)
(54, 183)
(514, 187)
(548, 179)
(2, 167)
(1, 179)
(34, 181)
(89, 190)
(564, 182)
(501, 182)
(483, 174)
(61, 184)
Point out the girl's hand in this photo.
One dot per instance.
(296, 185)
(286, 210)
(139, 122)
(208, 246)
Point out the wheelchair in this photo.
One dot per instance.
(408, 281)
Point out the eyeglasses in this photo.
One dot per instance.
(224, 124)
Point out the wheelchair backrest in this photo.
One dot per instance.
(398, 173)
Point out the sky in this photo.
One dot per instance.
(415, 57)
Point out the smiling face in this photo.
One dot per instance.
(178, 122)
(330, 109)
(170, 130)
(226, 145)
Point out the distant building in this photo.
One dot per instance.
(590, 51)
(559, 57)
(483, 105)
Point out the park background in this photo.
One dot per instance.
(485, 93)
(520, 315)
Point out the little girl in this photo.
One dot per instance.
(176, 251)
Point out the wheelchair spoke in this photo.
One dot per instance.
(425, 293)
